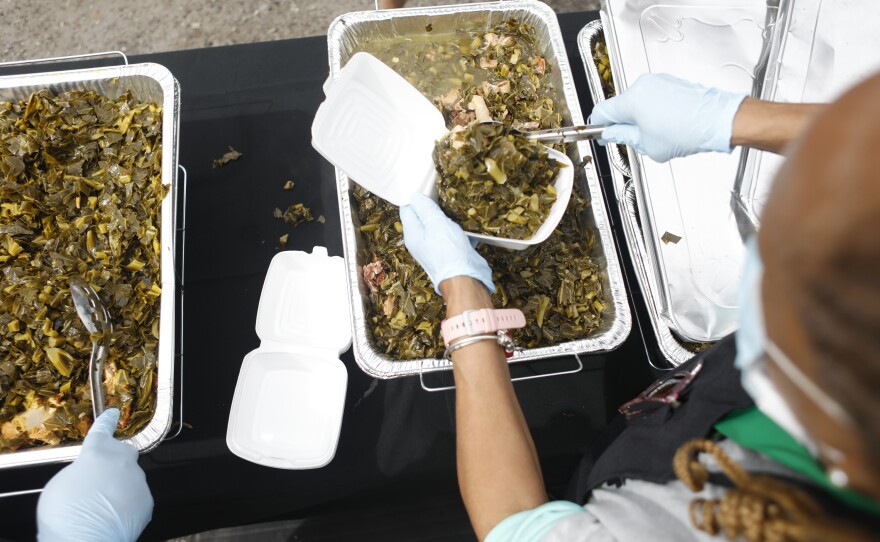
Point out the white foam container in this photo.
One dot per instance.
(379, 129)
(287, 409)
(563, 185)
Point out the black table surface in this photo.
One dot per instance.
(397, 441)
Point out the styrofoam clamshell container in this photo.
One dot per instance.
(287, 409)
(564, 185)
(380, 130)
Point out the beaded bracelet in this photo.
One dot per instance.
(501, 336)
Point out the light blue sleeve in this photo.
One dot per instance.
(532, 525)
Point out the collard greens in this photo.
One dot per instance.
(494, 181)
(556, 283)
(603, 65)
(80, 196)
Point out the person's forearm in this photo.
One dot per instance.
(770, 126)
(498, 469)
(391, 4)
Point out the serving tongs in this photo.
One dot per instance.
(551, 136)
(96, 319)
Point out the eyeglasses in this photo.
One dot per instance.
(666, 391)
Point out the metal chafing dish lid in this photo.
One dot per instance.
(821, 50)
(697, 251)
(287, 408)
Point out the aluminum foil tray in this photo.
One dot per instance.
(345, 35)
(687, 200)
(673, 352)
(147, 82)
(820, 50)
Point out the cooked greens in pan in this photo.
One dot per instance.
(556, 283)
(80, 196)
(603, 65)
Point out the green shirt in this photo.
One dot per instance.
(751, 429)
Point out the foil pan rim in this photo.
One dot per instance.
(585, 39)
(159, 425)
(374, 363)
(674, 352)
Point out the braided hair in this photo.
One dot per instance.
(759, 508)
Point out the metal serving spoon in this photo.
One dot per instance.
(94, 316)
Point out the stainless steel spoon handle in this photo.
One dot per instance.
(566, 135)
(96, 377)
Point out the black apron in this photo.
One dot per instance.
(643, 448)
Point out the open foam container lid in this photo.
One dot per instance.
(367, 102)
(287, 408)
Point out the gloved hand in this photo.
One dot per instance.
(440, 245)
(101, 496)
(666, 117)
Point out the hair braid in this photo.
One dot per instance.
(759, 508)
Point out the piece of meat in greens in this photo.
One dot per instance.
(494, 181)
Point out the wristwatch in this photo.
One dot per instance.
(480, 322)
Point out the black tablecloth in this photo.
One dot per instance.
(397, 440)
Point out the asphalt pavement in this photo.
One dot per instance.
(45, 28)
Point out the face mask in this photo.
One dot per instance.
(751, 341)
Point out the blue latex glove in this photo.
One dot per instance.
(666, 117)
(440, 245)
(101, 496)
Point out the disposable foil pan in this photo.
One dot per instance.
(345, 35)
(147, 82)
(685, 204)
(673, 352)
(819, 51)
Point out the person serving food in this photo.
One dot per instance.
(771, 435)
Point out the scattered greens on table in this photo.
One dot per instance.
(494, 181)
(295, 214)
(229, 156)
(556, 283)
(80, 196)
